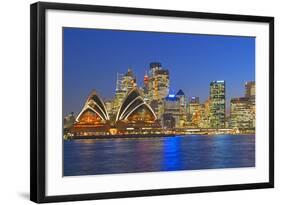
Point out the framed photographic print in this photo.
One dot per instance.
(129, 102)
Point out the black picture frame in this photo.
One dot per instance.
(38, 101)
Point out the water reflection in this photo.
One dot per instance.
(171, 154)
(89, 157)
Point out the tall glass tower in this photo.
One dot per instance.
(217, 104)
(158, 86)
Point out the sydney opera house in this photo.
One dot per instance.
(134, 116)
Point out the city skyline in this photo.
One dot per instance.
(78, 85)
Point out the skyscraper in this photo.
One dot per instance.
(217, 104)
(171, 111)
(124, 83)
(154, 66)
(193, 105)
(205, 121)
(250, 89)
(161, 83)
(152, 84)
(250, 92)
(242, 110)
(194, 99)
(145, 83)
(180, 94)
(158, 85)
(183, 110)
(128, 81)
(242, 113)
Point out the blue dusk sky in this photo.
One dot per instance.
(92, 58)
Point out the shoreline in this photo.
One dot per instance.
(122, 136)
(136, 136)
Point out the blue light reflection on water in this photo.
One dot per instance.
(171, 154)
(192, 152)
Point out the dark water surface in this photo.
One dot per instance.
(191, 152)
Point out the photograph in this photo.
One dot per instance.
(144, 101)
(134, 102)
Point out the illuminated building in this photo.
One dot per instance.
(227, 121)
(183, 107)
(169, 121)
(199, 114)
(158, 108)
(93, 118)
(135, 115)
(192, 111)
(161, 85)
(250, 92)
(250, 89)
(68, 121)
(242, 113)
(217, 106)
(242, 110)
(141, 110)
(194, 99)
(128, 81)
(205, 121)
(145, 87)
(180, 94)
(171, 111)
(158, 82)
(154, 67)
(131, 106)
(157, 86)
(196, 118)
(124, 83)
(193, 105)
(119, 96)
(109, 105)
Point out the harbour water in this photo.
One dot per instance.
(132, 155)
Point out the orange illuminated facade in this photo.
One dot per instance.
(133, 116)
(93, 118)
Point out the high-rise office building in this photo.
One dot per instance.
(145, 82)
(205, 121)
(183, 102)
(128, 81)
(242, 110)
(158, 82)
(157, 107)
(171, 111)
(183, 107)
(152, 85)
(217, 104)
(157, 86)
(194, 99)
(250, 92)
(109, 105)
(124, 83)
(250, 89)
(242, 113)
(161, 84)
(193, 105)
(200, 114)
(154, 66)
